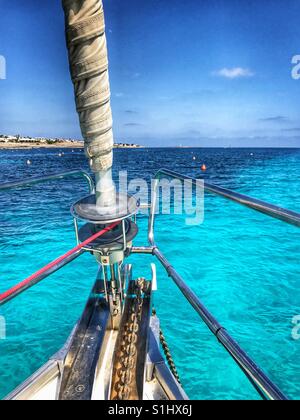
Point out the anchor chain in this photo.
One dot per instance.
(128, 351)
(167, 353)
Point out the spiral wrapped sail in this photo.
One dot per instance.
(86, 42)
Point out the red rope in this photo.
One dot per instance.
(27, 281)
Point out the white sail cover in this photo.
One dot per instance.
(86, 42)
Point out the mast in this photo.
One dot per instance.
(86, 43)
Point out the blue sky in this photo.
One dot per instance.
(191, 72)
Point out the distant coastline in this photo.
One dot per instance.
(19, 142)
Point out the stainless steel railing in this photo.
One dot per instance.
(276, 212)
(253, 372)
(258, 378)
(54, 177)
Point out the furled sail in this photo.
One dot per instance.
(86, 42)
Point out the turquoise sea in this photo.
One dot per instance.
(243, 265)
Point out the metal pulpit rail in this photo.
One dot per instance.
(262, 383)
(54, 177)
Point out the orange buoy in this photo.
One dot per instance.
(203, 168)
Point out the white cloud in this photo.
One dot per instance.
(234, 73)
(119, 95)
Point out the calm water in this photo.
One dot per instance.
(243, 265)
